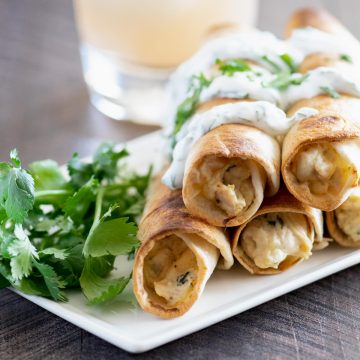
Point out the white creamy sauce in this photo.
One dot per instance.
(318, 80)
(310, 41)
(260, 114)
(242, 85)
(254, 46)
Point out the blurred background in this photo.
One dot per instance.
(44, 105)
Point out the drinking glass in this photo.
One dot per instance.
(129, 48)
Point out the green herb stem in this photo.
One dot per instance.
(45, 193)
(97, 216)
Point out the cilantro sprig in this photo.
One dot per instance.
(284, 77)
(347, 58)
(58, 233)
(231, 66)
(329, 90)
(188, 106)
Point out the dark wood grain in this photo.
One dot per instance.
(44, 112)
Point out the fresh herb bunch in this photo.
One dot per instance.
(58, 233)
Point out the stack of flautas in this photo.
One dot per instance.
(321, 154)
(264, 137)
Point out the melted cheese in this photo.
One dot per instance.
(170, 270)
(348, 216)
(326, 165)
(229, 184)
(269, 239)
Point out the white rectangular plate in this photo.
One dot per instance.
(227, 293)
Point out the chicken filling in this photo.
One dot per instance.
(170, 271)
(228, 184)
(269, 239)
(348, 216)
(325, 167)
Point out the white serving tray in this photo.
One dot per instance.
(227, 293)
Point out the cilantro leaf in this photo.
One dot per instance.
(273, 65)
(14, 157)
(77, 205)
(346, 58)
(53, 282)
(5, 276)
(105, 161)
(188, 106)
(115, 237)
(6, 238)
(283, 80)
(59, 224)
(33, 286)
(23, 252)
(328, 90)
(80, 172)
(70, 268)
(47, 175)
(103, 167)
(289, 61)
(97, 288)
(16, 189)
(60, 254)
(4, 282)
(231, 66)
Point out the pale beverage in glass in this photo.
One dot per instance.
(129, 47)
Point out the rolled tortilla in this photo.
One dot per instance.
(177, 256)
(344, 223)
(227, 173)
(319, 19)
(321, 154)
(322, 20)
(281, 234)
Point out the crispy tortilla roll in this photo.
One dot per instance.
(344, 222)
(321, 154)
(281, 234)
(177, 256)
(317, 18)
(227, 171)
(321, 20)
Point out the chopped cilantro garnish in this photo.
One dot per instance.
(231, 66)
(289, 61)
(330, 91)
(188, 106)
(275, 67)
(283, 80)
(346, 57)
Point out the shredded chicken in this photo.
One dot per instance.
(228, 184)
(170, 270)
(269, 239)
(328, 167)
(316, 165)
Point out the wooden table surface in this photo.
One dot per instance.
(44, 112)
